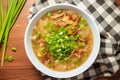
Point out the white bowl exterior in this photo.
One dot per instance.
(44, 69)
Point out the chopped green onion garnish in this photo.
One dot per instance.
(81, 44)
(84, 21)
(10, 58)
(85, 54)
(13, 49)
(38, 35)
(60, 44)
(83, 36)
(77, 62)
(49, 65)
(70, 22)
(39, 55)
(82, 24)
(59, 11)
(48, 14)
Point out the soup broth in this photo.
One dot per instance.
(62, 40)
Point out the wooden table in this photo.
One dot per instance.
(21, 68)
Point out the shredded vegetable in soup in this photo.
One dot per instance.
(62, 40)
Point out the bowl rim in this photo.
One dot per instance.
(39, 66)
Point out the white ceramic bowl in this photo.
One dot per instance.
(39, 66)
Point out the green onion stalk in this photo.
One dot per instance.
(7, 21)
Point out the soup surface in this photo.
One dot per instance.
(62, 40)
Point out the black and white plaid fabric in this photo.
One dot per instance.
(107, 16)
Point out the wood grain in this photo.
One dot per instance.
(117, 2)
(21, 68)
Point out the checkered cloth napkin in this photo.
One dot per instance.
(107, 16)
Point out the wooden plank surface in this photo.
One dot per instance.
(21, 68)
